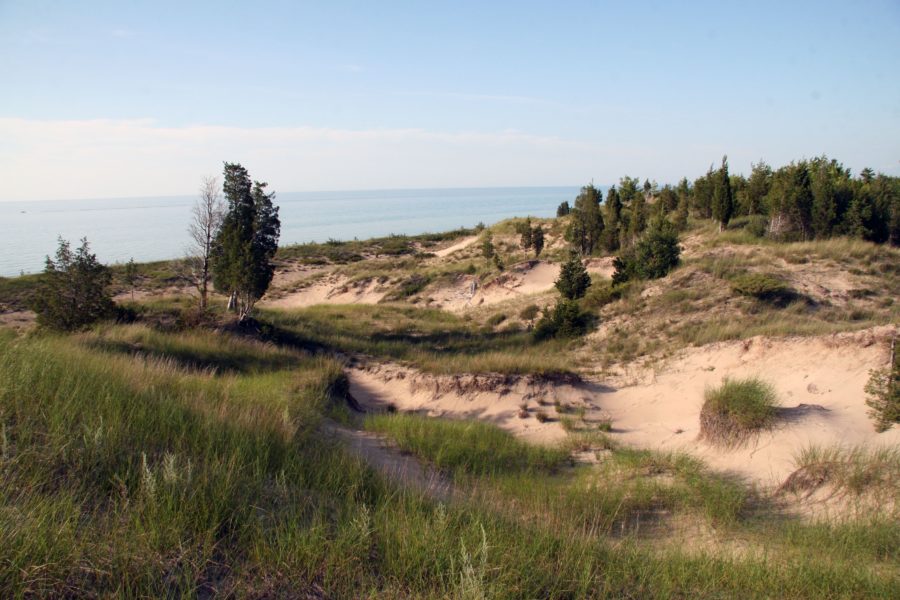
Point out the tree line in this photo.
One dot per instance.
(804, 200)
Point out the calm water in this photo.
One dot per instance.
(154, 228)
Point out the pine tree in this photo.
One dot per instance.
(563, 209)
(487, 246)
(723, 198)
(758, 187)
(525, 234)
(537, 240)
(637, 220)
(131, 275)
(587, 224)
(74, 291)
(246, 241)
(613, 211)
(574, 279)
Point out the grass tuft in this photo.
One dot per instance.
(737, 409)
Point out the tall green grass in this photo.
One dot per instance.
(140, 476)
(432, 340)
(466, 447)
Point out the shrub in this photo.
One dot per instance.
(563, 209)
(757, 225)
(75, 289)
(761, 286)
(565, 320)
(495, 320)
(652, 257)
(736, 409)
(573, 279)
(602, 294)
(883, 389)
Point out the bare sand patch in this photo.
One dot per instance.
(331, 289)
(519, 280)
(460, 245)
(820, 385)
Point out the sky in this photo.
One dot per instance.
(123, 99)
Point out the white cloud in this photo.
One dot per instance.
(57, 159)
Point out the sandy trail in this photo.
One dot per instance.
(460, 245)
(390, 462)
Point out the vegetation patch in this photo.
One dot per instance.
(737, 409)
(883, 389)
(466, 447)
(763, 286)
(853, 470)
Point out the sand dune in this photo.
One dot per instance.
(819, 380)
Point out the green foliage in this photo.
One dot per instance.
(586, 227)
(130, 275)
(574, 279)
(883, 389)
(761, 286)
(736, 409)
(564, 320)
(529, 313)
(525, 234)
(563, 209)
(247, 240)
(466, 447)
(613, 220)
(537, 240)
(74, 291)
(723, 199)
(655, 254)
(487, 246)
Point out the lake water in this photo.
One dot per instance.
(155, 228)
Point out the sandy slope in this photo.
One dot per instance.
(819, 382)
(492, 398)
(523, 279)
(330, 290)
(820, 385)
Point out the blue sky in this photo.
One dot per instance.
(130, 98)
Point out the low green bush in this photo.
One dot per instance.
(736, 409)
(761, 286)
(565, 320)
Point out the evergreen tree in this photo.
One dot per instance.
(563, 209)
(758, 187)
(613, 205)
(703, 194)
(587, 224)
(637, 220)
(667, 199)
(246, 242)
(131, 275)
(525, 234)
(723, 199)
(537, 240)
(74, 291)
(574, 279)
(487, 246)
(653, 256)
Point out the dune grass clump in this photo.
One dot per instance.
(736, 409)
(851, 470)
